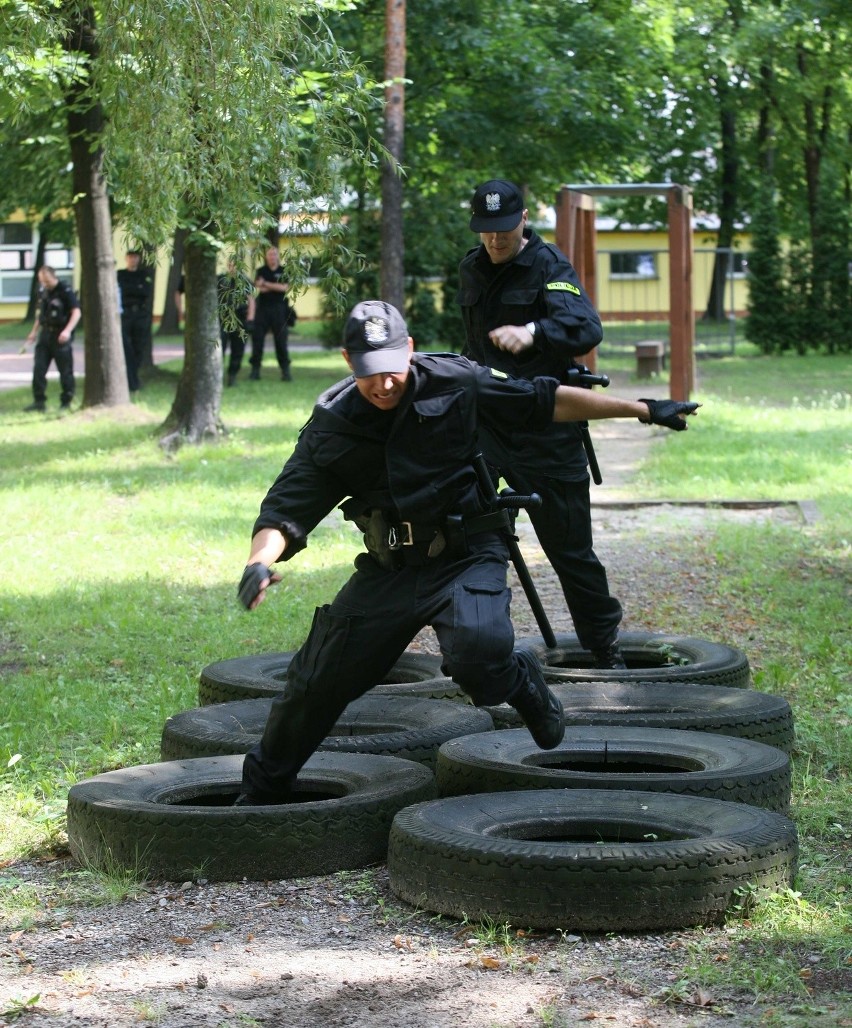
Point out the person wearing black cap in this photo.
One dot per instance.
(526, 313)
(135, 288)
(272, 313)
(396, 441)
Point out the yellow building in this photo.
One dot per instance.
(633, 271)
(632, 267)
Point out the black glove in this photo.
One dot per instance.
(667, 413)
(249, 586)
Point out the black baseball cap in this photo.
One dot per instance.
(376, 339)
(497, 206)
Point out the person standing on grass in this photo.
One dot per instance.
(57, 316)
(526, 314)
(397, 441)
(236, 314)
(271, 314)
(136, 288)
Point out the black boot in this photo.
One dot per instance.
(609, 658)
(541, 711)
(251, 799)
(255, 374)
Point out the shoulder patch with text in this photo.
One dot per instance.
(496, 373)
(565, 287)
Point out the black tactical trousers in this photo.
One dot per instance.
(563, 525)
(270, 319)
(233, 342)
(48, 349)
(136, 339)
(355, 641)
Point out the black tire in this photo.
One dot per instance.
(646, 759)
(650, 657)
(264, 674)
(395, 726)
(177, 820)
(587, 860)
(744, 713)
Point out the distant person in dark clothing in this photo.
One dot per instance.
(136, 289)
(57, 316)
(272, 314)
(236, 314)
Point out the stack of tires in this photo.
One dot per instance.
(666, 800)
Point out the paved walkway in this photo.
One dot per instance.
(16, 368)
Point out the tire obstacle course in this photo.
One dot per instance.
(666, 797)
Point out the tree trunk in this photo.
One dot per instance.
(194, 417)
(106, 372)
(393, 242)
(41, 249)
(715, 310)
(149, 263)
(169, 324)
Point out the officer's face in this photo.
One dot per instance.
(384, 390)
(504, 246)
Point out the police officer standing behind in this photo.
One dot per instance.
(526, 314)
(236, 313)
(272, 314)
(136, 288)
(57, 317)
(397, 442)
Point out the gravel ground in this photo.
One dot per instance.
(341, 950)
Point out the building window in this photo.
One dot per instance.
(632, 264)
(16, 233)
(18, 244)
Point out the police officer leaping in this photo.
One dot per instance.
(397, 442)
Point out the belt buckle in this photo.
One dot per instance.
(397, 541)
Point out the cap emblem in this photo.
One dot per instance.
(492, 202)
(376, 330)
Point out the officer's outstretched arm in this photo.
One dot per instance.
(576, 404)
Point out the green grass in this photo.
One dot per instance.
(119, 573)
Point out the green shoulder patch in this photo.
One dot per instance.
(496, 373)
(565, 287)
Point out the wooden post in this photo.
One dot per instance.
(576, 237)
(682, 313)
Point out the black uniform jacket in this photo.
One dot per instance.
(413, 462)
(539, 285)
(55, 307)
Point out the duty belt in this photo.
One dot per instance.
(428, 540)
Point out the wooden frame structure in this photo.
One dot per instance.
(576, 238)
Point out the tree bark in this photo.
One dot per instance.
(393, 241)
(194, 417)
(41, 249)
(106, 372)
(715, 310)
(169, 324)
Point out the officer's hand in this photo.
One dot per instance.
(512, 339)
(253, 585)
(669, 413)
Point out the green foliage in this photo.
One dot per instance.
(766, 324)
